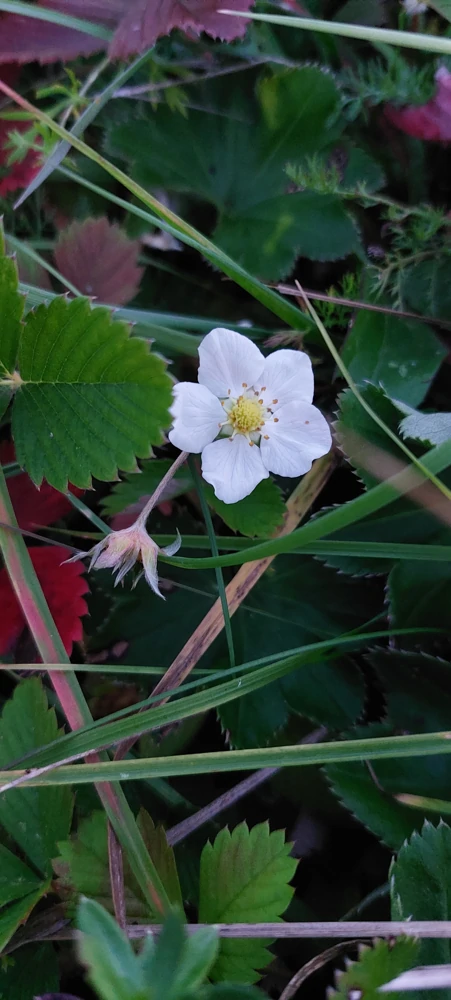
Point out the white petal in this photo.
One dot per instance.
(197, 415)
(227, 360)
(233, 467)
(287, 376)
(301, 435)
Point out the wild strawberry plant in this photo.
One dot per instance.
(225, 447)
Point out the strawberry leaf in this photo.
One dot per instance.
(147, 20)
(11, 311)
(92, 398)
(36, 818)
(99, 259)
(244, 877)
(63, 586)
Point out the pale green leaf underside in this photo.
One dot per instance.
(244, 877)
(92, 400)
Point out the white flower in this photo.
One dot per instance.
(249, 415)
(120, 550)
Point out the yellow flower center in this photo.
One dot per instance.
(246, 416)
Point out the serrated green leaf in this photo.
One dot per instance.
(442, 7)
(268, 237)
(16, 879)
(11, 312)
(415, 688)
(420, 886)
(419, 594)
(401, 355)
(11, 917)
(244, 877)
(433, 427)
(140, 486)
(82, 864)
(376, 966)
(92, 398)
(259, 514)
(30, 972)
(426, 288)
(36, 818)
(358, 792)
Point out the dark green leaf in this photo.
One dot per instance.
(30, 972)
(376, 966)
(259, 514)
(244, 876)
(113, 967)
(268, 236)
(400, 354)
(419, 595)
(92, 397)
(16, 879)
(11, 917)
(426, 288)
(11, 311)
(36, 818)
(420, 886)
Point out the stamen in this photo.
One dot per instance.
(263, 388)
(306, 421)
(276, 420)
(275, 400)
(244, 385)
(266, 437)
(260, 402)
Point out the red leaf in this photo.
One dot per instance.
(99, 259)
(23, 39)
(34, 508)
(430, 121)
(146, 20)
(63, 586)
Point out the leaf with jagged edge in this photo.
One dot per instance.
(91, 399)
(82, 864)
(260, 513)
(11, 312)
(35, 818)
(420, 887)
(375, 966)
(138, 487)
(244, 877)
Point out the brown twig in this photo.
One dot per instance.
(248, 575)
(431, 929)
(116, 867)
(358, 304)
(316, 963)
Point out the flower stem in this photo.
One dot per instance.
(157, 494)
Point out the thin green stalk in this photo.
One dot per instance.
(335, 520)
(88, 513)
(183, 231)
(305, 755)
(121, 726)
(366, 33)
(51, 648)
(55, 17)
(214, 551)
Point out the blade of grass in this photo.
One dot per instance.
(405, 482)
(55, 17)
(305, 755)
(366, 33)
(121, 725)
(36, 612)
